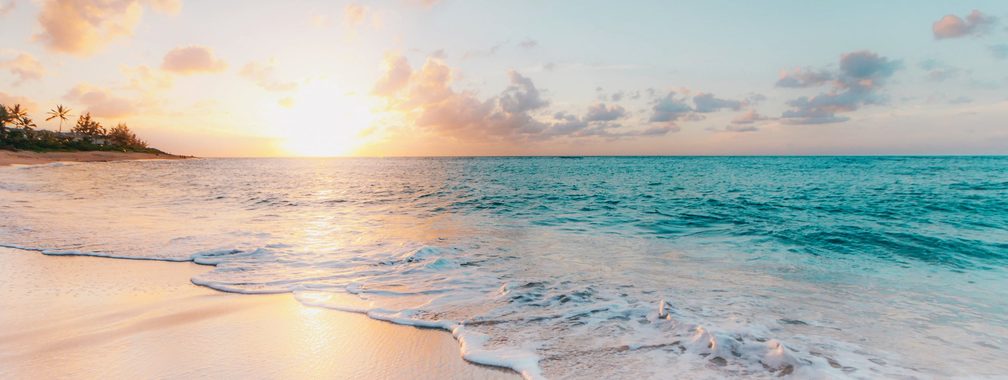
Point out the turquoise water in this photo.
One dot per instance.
(945, 211)
(651, 267)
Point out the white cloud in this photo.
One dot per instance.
(25, 67)
(192, 60)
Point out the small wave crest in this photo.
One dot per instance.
(629, 267)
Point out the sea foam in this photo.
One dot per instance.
(601, 267)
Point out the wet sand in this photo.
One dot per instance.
(85, 317)
(23, 157)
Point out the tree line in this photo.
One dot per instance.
(86, 134)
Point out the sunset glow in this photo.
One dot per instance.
(414, 78)
(320, 120)
(458, 189)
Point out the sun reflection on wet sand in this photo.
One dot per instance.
(84, 317)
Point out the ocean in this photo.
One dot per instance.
(573, 267)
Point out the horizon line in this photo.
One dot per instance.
(629, 156)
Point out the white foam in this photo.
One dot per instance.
(54, 164)
(576, 303)
(56, 252)
(747, 349)
(473, 345)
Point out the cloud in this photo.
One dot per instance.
(937, 71)
(574, 126)
(819, 110)
(865, 68)
(10, 100)
(7, 7)
(428, 103)
(82, 27)
(706, 103)
(521, 96)
(750, 116)
(264, 75)
(354, 15)
(528, 43)
(952, 26)
(25, 67)
(601, 112)
(192, 60)
(857, 82)
(146, 79)
(397, 75)
(1000, 51)
(660, 130)
(740, 128)
(745, 122)
(100, 102)
(566, 124)
(799, 78)
(616, 131)
(166, 6)
(670, 109)
(484, 53)
(755, 99)
(425, 3)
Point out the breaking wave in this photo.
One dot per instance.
(643, 267)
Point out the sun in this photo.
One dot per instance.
(321, 120)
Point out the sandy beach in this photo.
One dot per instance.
(24, 157)
(85, 317)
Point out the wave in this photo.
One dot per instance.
(658, 268)
(663, 328)
(471, 343)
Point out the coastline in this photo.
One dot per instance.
(79, 316)
(24, 157)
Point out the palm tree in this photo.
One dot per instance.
(5, 117)
(59, 112)
(27, 126)
(12, 115)
(17, 112)
(25, 123)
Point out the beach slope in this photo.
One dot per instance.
(24, 157)
(86, 317)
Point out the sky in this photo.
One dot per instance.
(450, 77)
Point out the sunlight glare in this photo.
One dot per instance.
(321, 120)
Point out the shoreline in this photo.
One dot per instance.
(82, 316)
(25, 157)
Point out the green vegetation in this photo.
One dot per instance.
(19, 132)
